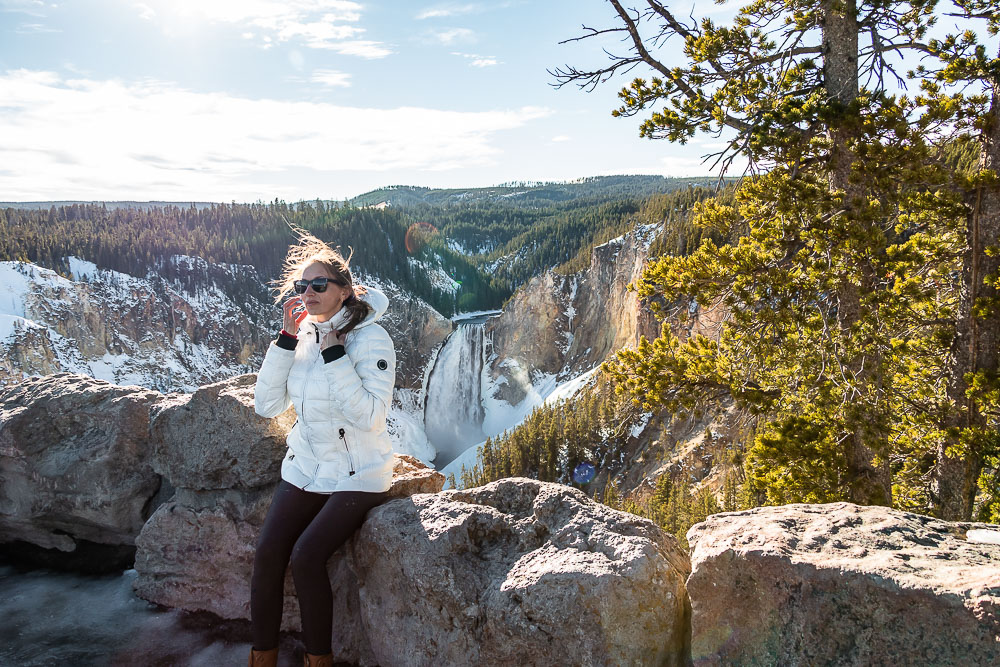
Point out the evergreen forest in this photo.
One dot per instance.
(481, 252)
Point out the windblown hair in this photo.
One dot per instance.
(311, 250)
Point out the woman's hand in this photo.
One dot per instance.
(294, 312)
(331, 339)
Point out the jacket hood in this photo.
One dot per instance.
(374, 298)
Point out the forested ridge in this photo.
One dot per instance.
(403, 244)
(137, 241)
(534, 195)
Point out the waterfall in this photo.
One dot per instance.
(453, 412)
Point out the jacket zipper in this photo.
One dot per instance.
(350, 459)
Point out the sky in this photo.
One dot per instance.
(256, 100)
(253, 100)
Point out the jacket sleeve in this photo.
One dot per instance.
(270, 396)
(363, 385)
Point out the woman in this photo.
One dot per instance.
(337, 367)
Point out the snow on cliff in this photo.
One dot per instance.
(121, 328)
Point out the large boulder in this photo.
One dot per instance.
(213, 439)
(196, 552)
(842, 584)
(74, 462)
(519, 572)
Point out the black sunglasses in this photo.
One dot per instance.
(318, 284)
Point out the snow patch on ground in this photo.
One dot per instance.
(175, 365)
(19, 280)
(455, 245)
(439, 277)
(646, 233)
(405, 425)
(473, 314)
(82, 270)
(641, 424)
(466, 460)
(571, 388)
(501, 416)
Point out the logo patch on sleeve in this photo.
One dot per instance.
(382, 364)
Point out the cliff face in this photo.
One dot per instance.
(144, 331)
(558, 327)
(562, 326)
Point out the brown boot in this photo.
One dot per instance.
(263, 658)
(318, 660)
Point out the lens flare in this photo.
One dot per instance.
(418, 235)
(584, 473)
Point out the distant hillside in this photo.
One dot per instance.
(533, 194)
(135, 241)
(110, 205)
(458, 258)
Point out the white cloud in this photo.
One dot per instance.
(317, 34)
(560, 138)
(449, 9)
(477, 60)
(145, 11)
(34, 29)
(91, 139)
(361, 48)
(331, 78)
(29, 7)
(270, 14)
(318, 24)
(443, 11)
(452, 36)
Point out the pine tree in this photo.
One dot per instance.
(831, 284)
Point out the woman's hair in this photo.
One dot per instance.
(310, 250)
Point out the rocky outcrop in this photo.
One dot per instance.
(842, 584)
(563, 325)
(74, 463)
(213, 440)
(224, 461)
(519, 572)
(196, 551)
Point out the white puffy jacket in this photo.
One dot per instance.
(339, 441)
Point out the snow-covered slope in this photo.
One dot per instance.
(129, 330)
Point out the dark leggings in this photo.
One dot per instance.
(308, 528)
